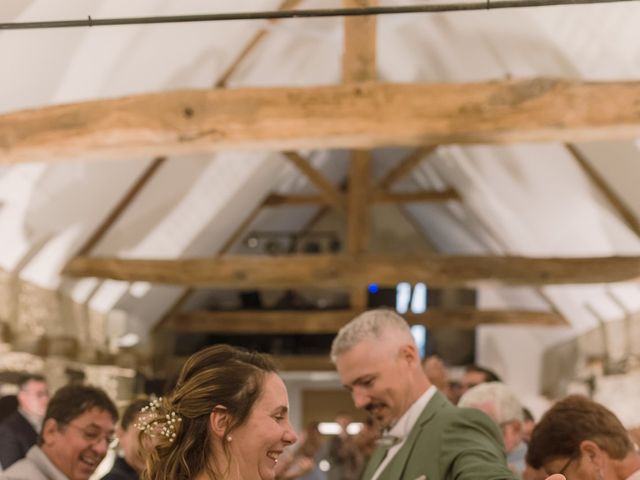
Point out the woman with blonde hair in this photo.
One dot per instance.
(227, 418)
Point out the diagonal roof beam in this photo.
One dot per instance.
(404, 167)
(122, 205)
(628, 217)
(331, 193)
(252, 45)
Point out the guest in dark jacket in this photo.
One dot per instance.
(130, 464)
(19, 431)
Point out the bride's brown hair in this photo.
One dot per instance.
(220, 375)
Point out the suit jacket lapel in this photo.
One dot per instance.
(396, 467)
(376, 459)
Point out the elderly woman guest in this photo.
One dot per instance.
(226, 419)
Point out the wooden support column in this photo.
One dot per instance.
(358, 217)
(359, 65)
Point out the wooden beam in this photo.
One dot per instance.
(415, 197)
(278, 200)
(186, 295)
(338, 271)
(358, 203)
(628, 217)
(359, 58)
(405, 166)
(122, 205)
(331, 193)
(358, 218)
(343, 116)
(330, 321)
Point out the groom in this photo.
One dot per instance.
(426, 437)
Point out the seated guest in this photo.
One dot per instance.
(130, 464)
(227, 418)
(77, 430)
(19, 431)
(583, 440)
(500, 403)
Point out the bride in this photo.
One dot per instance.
(228, 418)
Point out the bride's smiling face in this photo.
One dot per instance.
(258, 442)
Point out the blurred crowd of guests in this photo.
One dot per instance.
(576, 436)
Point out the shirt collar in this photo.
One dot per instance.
(406, 422)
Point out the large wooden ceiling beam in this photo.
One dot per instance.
(330, 321)
(338, 271)
(352, 115)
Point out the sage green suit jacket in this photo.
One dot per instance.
(446, 443)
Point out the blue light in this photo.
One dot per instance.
(373, 288)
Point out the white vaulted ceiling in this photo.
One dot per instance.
(523, 199)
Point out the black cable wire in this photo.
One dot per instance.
(312, 13)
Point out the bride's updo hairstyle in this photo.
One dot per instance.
(175, 429)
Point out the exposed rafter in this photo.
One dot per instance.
(330, 192)
(349, 116)
(252, 45)
(614, 199)
(336, 271)
(404, 167)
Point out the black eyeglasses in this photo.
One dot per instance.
(94, 436)
(572, 458)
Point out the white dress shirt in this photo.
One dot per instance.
(404, 425)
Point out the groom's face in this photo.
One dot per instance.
(377, 379)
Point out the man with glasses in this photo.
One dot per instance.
(78, 428)
(19, 431)
(583, 440)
